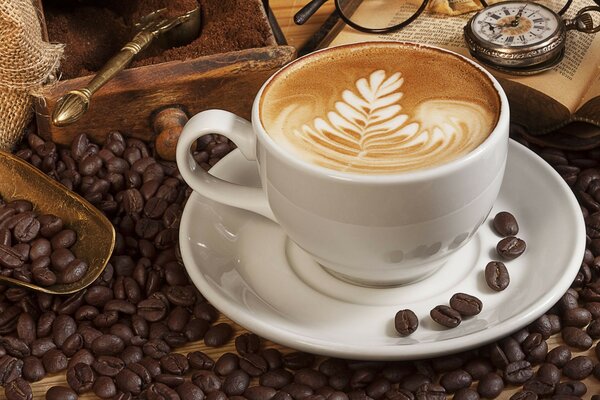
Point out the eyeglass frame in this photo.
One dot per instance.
(311, 7)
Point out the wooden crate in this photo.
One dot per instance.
(129, 102)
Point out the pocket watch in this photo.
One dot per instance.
(522, 37)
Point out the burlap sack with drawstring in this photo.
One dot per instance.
(26, 62)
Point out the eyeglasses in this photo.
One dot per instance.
(370, 16)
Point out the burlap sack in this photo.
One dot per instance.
(26, 62)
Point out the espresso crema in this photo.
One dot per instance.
(379, 109)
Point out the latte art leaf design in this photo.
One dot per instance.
(368, 131)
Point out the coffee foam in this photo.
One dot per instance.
(380, 109)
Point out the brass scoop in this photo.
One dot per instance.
(95, 233)
(71, 106)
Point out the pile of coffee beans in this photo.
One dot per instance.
(118, 337)
(37, 248)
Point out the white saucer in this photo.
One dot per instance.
(247, 268)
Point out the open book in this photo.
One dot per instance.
(541, 103)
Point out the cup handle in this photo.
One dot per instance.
(240, 132)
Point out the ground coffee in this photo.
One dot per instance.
(94, 31)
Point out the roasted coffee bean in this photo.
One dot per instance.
(61, 393)
(129, 382)
(406, 322)
(200, 360)
(297, 391)
(160, 391)
(27, 229)
(152, 366)
(177, 319)
(181, 295)
(39, 347)
(548, 373)
(174, 363)
(63, 327)
(559, 356)
(276, 378)
(578, 368)
(312, 378)
(10, 258)
(189, 391)
(510, 247)
(63, 239)
(132, 354)
(10, 369)
(73, 272)
(431, 391)
(539, 387)
(72, 344)
(254, 364)
(40, 247)
(104, 387)
(169, 380)
(33, 369)
(247, 343)
(60, 258)
(577, 338)
(466, 304)
(108, 365)
(15, 346)
(524, 395)
(478, 368)
(18, 389)
(195, 329)
(83, 356)
(456, 380)
(236, 383)
(226, 364)
(80, 378)
(156, 348)
(152, 310)
(490, 386)
(266, 393)
(543, 326)
(206, 312)
(54, 361)
(496, 276)
(572, 388)
(466, 394)
(218, 335)
(107, 345)
(518, 372)
(141, 371)
(207, 381)
(593, 329)
(445, 316)
(578, 317)
(512, 349)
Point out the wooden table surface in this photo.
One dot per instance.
(296, 36)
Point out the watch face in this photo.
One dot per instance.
(515, 24)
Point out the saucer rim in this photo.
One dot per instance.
(314, 345)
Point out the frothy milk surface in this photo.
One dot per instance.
(380, 109)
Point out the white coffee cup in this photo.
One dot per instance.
(369, 229)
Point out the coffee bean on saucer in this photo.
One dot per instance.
(506, 224)
(510, 247)
(406, 322)
(446, 316)
(496, 276)
(466, 304)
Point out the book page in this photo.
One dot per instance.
(567, 83)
